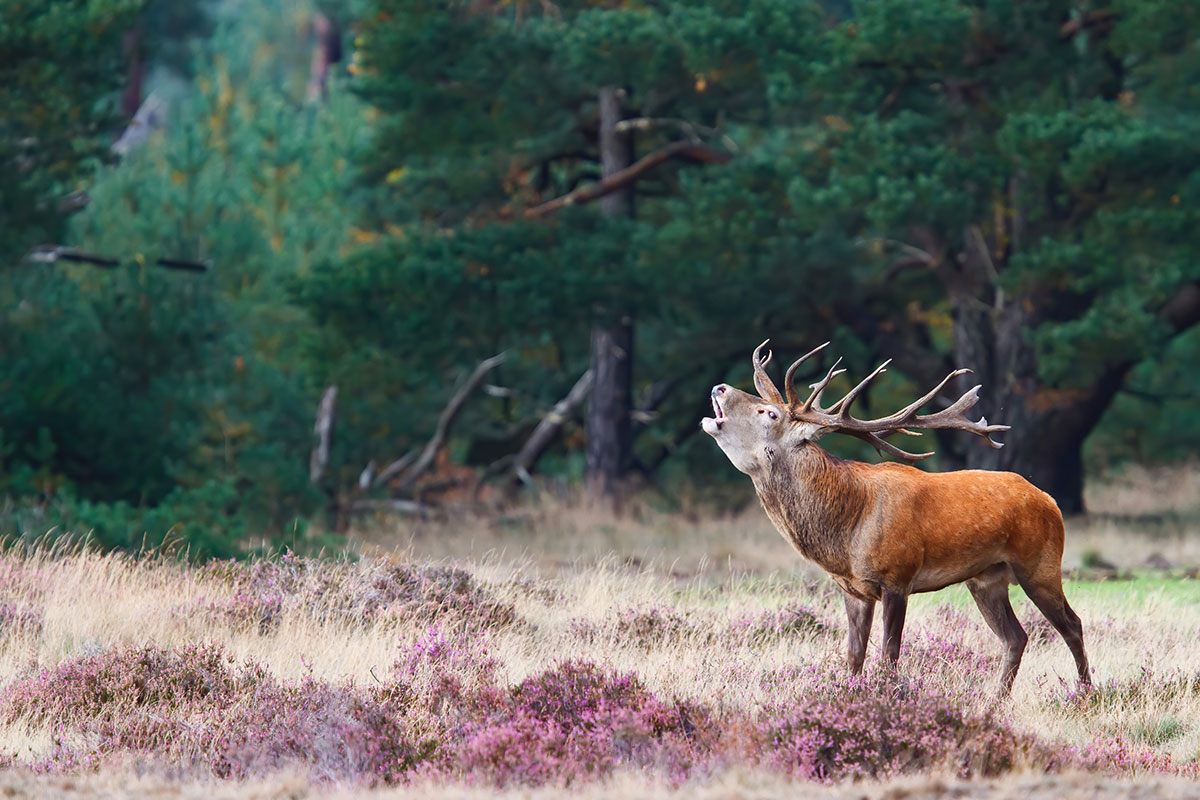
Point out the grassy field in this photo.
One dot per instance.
(644, 655)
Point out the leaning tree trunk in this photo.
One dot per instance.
(608, 428)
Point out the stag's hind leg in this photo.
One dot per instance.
(1045, 590)
(990, 591)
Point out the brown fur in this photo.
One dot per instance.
(885, 531)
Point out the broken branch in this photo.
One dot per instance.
(446, 420)
(323, 428)
(51, 253)
(692, 151)
(546, 431)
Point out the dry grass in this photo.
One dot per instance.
(590, 586)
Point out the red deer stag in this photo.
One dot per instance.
(885, 531)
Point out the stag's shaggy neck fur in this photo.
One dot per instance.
(817, 500)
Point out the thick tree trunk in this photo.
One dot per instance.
(608, 427)
(608, 423)
(1049, 425)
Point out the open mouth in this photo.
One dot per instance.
(718, 413)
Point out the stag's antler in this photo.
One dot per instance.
(764, 384)
(762, 381)
(837, 416)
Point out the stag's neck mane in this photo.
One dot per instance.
(816, 500)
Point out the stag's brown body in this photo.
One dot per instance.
(885, 531)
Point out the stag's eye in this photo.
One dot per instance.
(772, 415)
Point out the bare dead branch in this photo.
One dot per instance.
(692, 151)
(547, 430)
(52, 253)
(397, 506)
(690, 129)
(446, 420)
(1102, 20)
(323, 428)
(395, 468)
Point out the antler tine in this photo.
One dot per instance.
(762, 381)
(842, 407)
(881, 446)
(819, 387)
(789, 384)
(904, 417)
(954, 417)
(763, 360)
(912, 408)
(821, 391)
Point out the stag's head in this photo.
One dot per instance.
(754, 431)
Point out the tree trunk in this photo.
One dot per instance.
(131, 96)
(1049, 425)
(608, 428)
(327, 51)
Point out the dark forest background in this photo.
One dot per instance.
(257, 257)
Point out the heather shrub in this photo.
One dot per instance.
(1147, 688)
(351, 594)
(335, 730)
(577, 721)
(194, 708)
(1039, 630)
(643, 627)
(16, 620)
(545, 593)
(792, 621)
(876, 725)
(450, 679)
(528, 749)
(651, 627)
(21, 596)
(113, 683)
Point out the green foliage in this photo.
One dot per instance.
(60, 64)
(472, 133)
(207, 521)
(145, 396)
(900, 171)
(1068, 151)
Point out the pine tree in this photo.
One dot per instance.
(501, 119)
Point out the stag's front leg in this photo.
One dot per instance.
(895, 605)
(860, 613)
